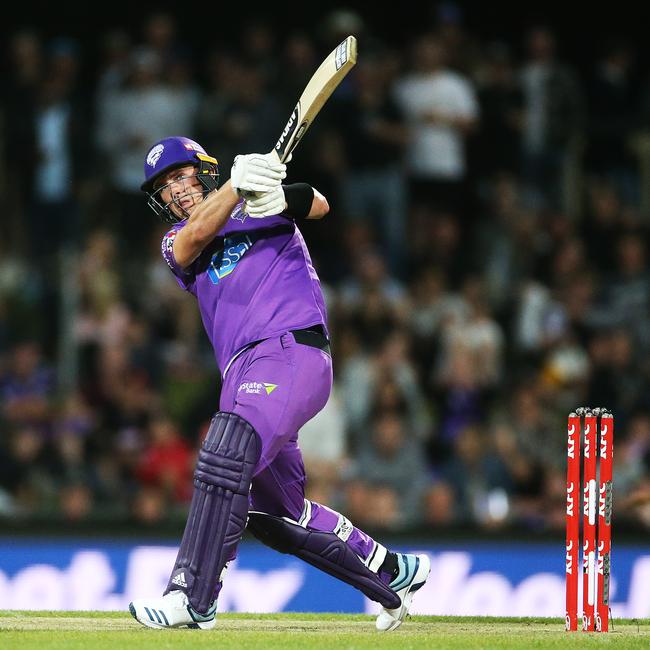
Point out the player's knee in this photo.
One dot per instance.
(276, 532)
(229, 454)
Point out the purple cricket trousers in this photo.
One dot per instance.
(277, 386)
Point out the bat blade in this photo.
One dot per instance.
(322, 84)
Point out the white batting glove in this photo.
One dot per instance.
(256, 172)
(266, 204)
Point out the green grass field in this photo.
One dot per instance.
(20, 630)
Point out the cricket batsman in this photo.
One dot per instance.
(246, 262)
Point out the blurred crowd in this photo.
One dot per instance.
(485, 265)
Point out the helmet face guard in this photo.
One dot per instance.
(167, 155)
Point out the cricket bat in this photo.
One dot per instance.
(317, 91)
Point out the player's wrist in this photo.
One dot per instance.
(299, 198)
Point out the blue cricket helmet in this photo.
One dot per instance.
(168, 154)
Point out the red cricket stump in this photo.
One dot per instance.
(572, 521)
(597, 478)
(605, 520)
(589, 523)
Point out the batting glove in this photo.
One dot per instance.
(266, 204)
(256, 173)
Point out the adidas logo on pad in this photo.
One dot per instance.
(179, 580)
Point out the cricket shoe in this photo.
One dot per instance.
(172, 610)
(413, 573)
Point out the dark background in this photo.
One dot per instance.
(583, 29)
(583, 32)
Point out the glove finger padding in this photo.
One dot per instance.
(264, 172)
(253, 189)
(266, 204)
(259, 179)
(257, 184)
(272, 209)
(267, 161)
(265, 199)
(254, 173)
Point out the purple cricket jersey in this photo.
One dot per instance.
(255, 280)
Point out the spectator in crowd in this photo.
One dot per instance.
(370, 273)
(459, 400)
(504, 237)
(628, 289)
(390, 471)
(61, 151)
(24, 71)
(299, 59)
(27, 389)
(479, 479)
(614, 116)
(497, 145)
(248, 114)
(462, 47)
(142, 110)
(166, 462)
(432, 305)
(24, 477)
(553, 119)
(363, 376)
(511, 288)
(441, 109)
(373, 133)
(112, 71)
(160, 36)
(603, 221)
(525, 476)
(476, 334)
(258, 47)
(223, 70)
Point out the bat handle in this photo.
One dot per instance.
(275, 152)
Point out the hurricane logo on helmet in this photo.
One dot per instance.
(154, 155)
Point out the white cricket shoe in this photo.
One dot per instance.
(171, 610)
(413, 573)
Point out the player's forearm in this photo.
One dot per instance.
(319, 206)
(204, 224)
